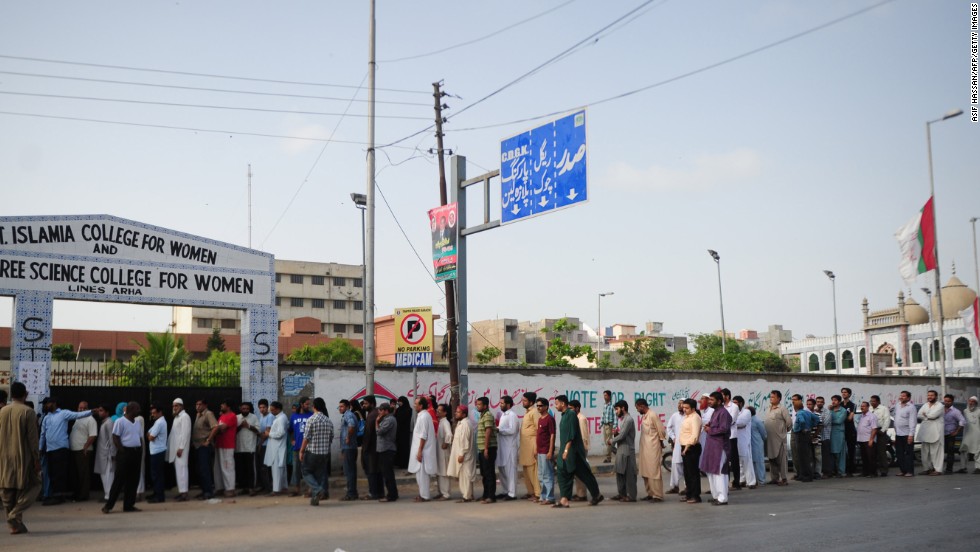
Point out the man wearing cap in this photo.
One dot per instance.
(178, 447)
(970, 448)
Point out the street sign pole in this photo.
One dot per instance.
(457, 174)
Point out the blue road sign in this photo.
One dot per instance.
(543, 169)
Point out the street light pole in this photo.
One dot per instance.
(599, 331)
(935, 233)
(369, 221)
(976, 267)
(833, 285)
(360, 201)
(721, 302)
(932, 332)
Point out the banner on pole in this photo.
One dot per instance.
(442, 222)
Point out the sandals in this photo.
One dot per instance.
(420, 499)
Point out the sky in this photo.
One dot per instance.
(788, 157)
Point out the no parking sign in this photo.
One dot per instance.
(413, 337)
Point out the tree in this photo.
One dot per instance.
(216, 342)
(63, 351)
(559, 350)
(221, 369)
(487, 354)
(334, 351)
(645, 353)
(157, 363)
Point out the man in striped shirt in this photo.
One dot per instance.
(608, 423)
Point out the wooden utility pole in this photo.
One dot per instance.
(451, 329)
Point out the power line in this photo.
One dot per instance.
(198, 88)
(561, 55)
(482, 38)
(315, 163)
(691, 73)
(200, 106)
(208, 75)
(192, 129)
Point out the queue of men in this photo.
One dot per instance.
(237, 451)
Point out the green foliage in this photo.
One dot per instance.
(216, 342)
(336, 351)
(559, 350)
(164, 362)
(652, 354)
(162, 352)
(487, 354)
(644, 353)
(64, 351)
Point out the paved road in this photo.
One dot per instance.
(839, 515)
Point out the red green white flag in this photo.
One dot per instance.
(917, 241)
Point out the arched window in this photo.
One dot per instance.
(862, 358)
(916, 353)
(829, 362)
(934, 351)
(961, 349)
(847, 359)
(814, 363)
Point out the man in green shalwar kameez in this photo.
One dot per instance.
(573, 462)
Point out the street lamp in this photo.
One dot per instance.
(599, 331)
(932, 332)
(935, 233)
(833, 285)
(360, 201)
(721, 302)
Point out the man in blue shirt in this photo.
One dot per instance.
(801, 440)
(297, 426)
(157, 436)
(608, 423)
(54, 448)
(348, 447)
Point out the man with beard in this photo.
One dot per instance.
(528, 455)
(652, 433)
(178, 447)
(970, 447)
(508, 441)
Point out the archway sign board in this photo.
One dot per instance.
(109, 259)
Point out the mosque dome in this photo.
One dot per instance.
(956, 297)
(915, 313)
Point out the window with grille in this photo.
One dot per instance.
(295, 278)
(296, 302)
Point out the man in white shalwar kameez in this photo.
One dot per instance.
(179, 447)
(422, 460)
(676, 460)
(277, 441)
(445, 440)
(462, 460)
(105, 452)
(931, 422)
(971, 437)
(508, 443)
(743, 427)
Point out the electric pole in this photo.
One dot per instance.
(451, 329)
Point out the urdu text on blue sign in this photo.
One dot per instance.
(543, 169)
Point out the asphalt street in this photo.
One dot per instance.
(840, 515)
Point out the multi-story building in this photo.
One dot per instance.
(331, 293)
(503, 334)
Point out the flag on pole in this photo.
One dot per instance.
(971, 318)
(917, 241)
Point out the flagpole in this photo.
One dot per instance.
(935, 233)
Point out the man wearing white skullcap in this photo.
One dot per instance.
(970, 448)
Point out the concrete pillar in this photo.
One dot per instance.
(30, 348)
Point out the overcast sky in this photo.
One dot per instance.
(797, 158)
